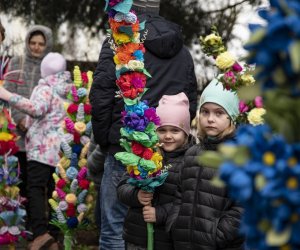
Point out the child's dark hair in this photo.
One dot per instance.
(2, 31)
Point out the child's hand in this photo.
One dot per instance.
(149, 214)
(145, 198)
(4, 94)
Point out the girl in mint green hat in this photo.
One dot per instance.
(204, 217)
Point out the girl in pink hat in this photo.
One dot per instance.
(174, 135)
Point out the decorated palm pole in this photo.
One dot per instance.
(261, 168)
(12, 212)
(71, 200)
(138, 134)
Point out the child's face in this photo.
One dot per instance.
(37, 45)
(171, 137)
(213, 119)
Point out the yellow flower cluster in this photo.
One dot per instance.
(225, 60)
(255, 116)
(77, 77)
(247, 79)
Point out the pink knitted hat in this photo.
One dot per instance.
(52, 64)
(173, 110)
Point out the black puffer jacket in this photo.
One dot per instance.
(206, 218)
(166, 59)
(135, 229)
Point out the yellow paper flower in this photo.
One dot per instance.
(212, 39)
(157, 159)
(54, 195)
(53, 204)
(225, 60)
(82, 162)
(71, 198)
(65, 162)
(255, 116)
(4, 136)
(80, 127)
(80, 217)
(77, 77)
(55, 177)
(116, 60)
(247, 79)
(121, 38)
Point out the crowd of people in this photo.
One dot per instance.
(188, 212)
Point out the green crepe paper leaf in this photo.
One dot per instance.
(146, 73)
(127, 30)
(256, 37)
(241, 156)
(130, 102)
(277, 239)
(228, 151)
(294, 51)
(126, 145)
(211, 159)
(127, 159)
(142, 25)
(147, 164)
(149, 184)
(143, 139)
(217, 182)
(123, 7)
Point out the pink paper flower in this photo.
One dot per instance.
(258, 102)
(243, 107)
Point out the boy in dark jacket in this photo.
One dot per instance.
(174, 134)
(204, 217)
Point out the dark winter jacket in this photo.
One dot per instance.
(205, 218)
(166, 59)
(135, 229)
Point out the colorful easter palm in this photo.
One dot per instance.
(71, 200)
(139, 138)
(12, 212)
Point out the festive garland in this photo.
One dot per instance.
(71, 199)
(12, 212)
(139, 138)
(260, 168)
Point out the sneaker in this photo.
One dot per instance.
(44, 240)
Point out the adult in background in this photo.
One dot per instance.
(38, 43)
(2, 33)
(172, 69)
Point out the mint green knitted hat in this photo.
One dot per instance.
(215, 93)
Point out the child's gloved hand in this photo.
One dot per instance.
(149, 214)
(145, 198)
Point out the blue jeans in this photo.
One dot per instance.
(112, 210)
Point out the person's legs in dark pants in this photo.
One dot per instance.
(38, 176)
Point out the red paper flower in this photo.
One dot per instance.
(87, 108)
(72, 108)
(148, 153)
(71, 211)
(76, 137)
(137, 148)
(61, 183)
(84, 184)
(84, 78)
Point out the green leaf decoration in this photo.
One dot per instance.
(211, 159)
(130, 102)
(228, 151)
(147, 164)
(241, 156)
(277, 239)
(126, 145)
(294, 51)
(128, 159)
(217, 182)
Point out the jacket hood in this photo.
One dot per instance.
(163, 38)
(48, 36)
